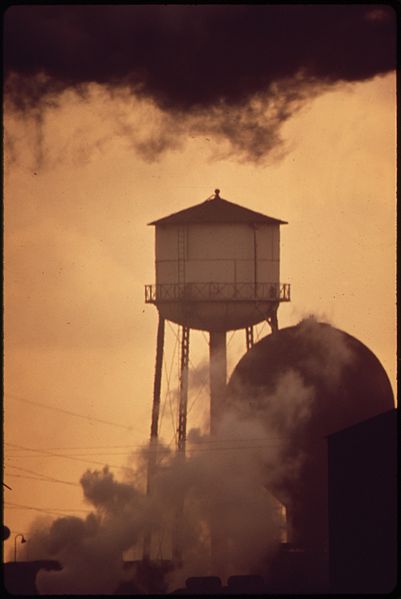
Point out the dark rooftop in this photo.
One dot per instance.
(217, 210)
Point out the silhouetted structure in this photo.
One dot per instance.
(217, 269)
(211, 585)
(19, 577)
(358, 391)
(363, 506)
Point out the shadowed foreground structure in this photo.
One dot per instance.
(349, 386)
(345, 393)
(19, 577)
(363, 506)
(362, 487)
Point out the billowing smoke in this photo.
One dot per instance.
(90, 550)
(234, 72)
(218, 498)
(326, 351)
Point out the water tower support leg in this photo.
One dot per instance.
(182, 435)
(155, 422)
(272, 319)
(182, 415)
(158, 379)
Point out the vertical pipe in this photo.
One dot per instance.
(218, 376)
(154, 424)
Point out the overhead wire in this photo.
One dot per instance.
(143, 447)
(260, 331)
(68, 412)
(205, 445)
(54, 511)
(41, 479)
(173, 415)
(37, 475)
(194, 369)
(65, 456)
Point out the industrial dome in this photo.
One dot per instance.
(350, 383)
(342, 382)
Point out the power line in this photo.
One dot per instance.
(145, 448)
(64, 456)
(191, 449)
(56, 511)
(194, 368)
(70, 413)
(168, 375)
(41, 479)
(38, 476)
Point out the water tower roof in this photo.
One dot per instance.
(217, 210)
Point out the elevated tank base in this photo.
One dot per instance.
(219, 316)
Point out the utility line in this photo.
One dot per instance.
(57, 511)
(38, 475)
(191, 449)
(144, 447)
(42, 480)
(70, 413)
(64, 456)
(168, 375)
(194, 369)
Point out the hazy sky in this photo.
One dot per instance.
(115, 119)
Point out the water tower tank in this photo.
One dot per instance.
(348, 385)
(217, 266)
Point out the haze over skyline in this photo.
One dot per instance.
(88, 165)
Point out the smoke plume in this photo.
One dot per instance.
(236, 72)
(221, 493)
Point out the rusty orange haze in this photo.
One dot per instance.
(78, 252)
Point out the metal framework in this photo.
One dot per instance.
(168, 292)
(273, 293)
(249, 337)
(182, 413)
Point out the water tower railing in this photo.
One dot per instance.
(169, 292)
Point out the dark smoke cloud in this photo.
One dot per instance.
(210, 62)
(187, 57)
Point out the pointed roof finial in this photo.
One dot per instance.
(217, 194)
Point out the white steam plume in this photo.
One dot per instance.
(224, 479)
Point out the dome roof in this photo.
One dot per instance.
(349, 383)
(302, 384)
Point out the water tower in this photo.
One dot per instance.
(217, 270)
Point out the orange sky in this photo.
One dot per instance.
(78, 336)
